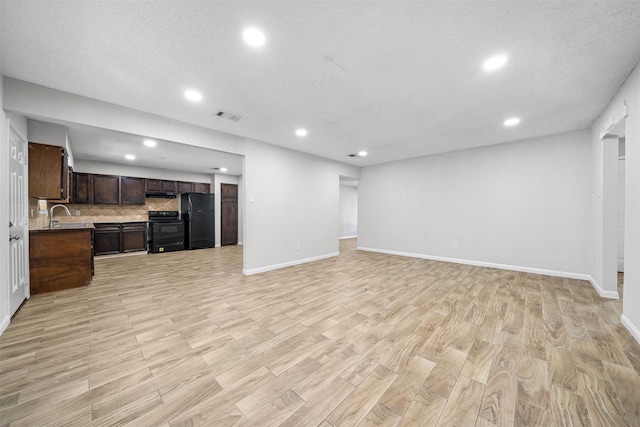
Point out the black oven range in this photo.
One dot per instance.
(166, 231)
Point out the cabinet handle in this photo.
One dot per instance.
(16, 237)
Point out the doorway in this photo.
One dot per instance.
(18, 221)
(348, 207)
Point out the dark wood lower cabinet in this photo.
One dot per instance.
(107, 239)
(60, 259)
(115, 238)
(134, 237)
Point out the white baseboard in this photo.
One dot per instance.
(288, 264)
(602, 292)
(240, 243)
(217, 245)
(630, 327)
(348, 237)
(533, 270)
(4, 324)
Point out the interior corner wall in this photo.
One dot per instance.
(4, 218)
(604, 203)
(348, 211)
(291, 199)
(225, 179)
(519, 205)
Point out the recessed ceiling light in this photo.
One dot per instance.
(301, 132)
(253, 37)
(193, 95)
(512, 121)
(223, 169)
(130, 157)
(362, 153)
(149, 143)
(494, 62)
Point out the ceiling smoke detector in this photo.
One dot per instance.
(228, 116)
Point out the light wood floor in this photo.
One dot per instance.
(184, 339)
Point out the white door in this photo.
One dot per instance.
(18, 221)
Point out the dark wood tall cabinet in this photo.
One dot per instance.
(228, 214)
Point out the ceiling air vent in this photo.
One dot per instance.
(228, 116)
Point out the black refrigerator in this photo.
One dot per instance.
(199, 223)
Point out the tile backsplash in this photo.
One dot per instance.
(102, 213)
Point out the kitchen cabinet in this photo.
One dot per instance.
(106, 189)
(133, 237)
(115, 238)
(153, 184)
(132, 190)
(185, 187)
(60, 259)
(106, 238)
(161, 185)
(82, 188)
(170, 186)
(200, 187)
(48, 172)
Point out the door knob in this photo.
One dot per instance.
(16, 237)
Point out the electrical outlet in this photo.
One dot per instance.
(77, 213)
(297, 246)
(454, 245)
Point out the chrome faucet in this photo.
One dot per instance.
(51, 221)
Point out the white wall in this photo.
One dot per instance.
(105, 168)
(521, 205)
(226, 179)
(348, 211)
(604, 202)
(290, 198)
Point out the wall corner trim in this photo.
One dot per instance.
(347, 237)
(249, 272)
(4, 324)
(602, 292)
(635, 333)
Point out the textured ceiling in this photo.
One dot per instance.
(398, 79)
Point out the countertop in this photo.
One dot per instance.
(64, 226)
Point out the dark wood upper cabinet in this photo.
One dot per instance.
(82, 188)
(185, 187)
(153, 184)
(132, 190)
(169, 186)
(106, 189)
(48, 172)
(200, 187)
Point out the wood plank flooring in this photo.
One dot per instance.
(363, 339)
